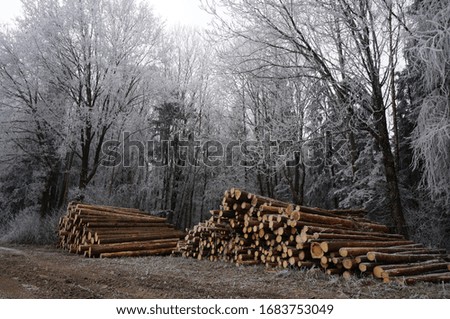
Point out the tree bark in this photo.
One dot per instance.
(85, 154)
(390, 174)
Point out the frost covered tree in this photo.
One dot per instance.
(173, 123)
(76, 69)
(428, 56)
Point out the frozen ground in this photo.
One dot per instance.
(47, 272)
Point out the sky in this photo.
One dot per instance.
(174, 12)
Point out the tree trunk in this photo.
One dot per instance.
(329, 157)
(382, 134)
(49, 196)
(392, 58)
(391, 175)
(65, 182)
(85, 154)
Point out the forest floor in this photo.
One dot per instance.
(48, 272)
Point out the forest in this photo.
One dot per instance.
(324, 103)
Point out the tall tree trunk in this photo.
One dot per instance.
(382, 133)
(260, 183)
(392, 57)
(190, 211)
(296, 190)
(301, 186)
(205, 184)
(49, 196)
(329, 156)
(297, 186)
(389, 164)
(353, 151)
(66, 178)
(85, 154)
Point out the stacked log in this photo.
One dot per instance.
(105, 231)
(209, 239)
(249, 229)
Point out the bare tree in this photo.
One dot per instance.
(308, 29)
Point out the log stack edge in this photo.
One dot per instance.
(105, 231)
(249, 229)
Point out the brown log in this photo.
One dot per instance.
(333, 212)
(241, 194)
(251, 222)
(126, 230)
(268, 209)
(367, 266)
(337, 221)
(333, 236)
(334, 271)
(95, 250)
(436, 278)
(355, 251)
(275, 218)
(381, 267)
(316, 250)
(138, 253)
(130, 236)
(324, 265)
(349, 263)
(83, 248)
(275, 225)
(227, 213)
(325, 260)
(328, 246)
(303, 254)
(121, 224)
(293, 261)
(419, 250)
(156, 230)
(114, 215)
(108, 210)
(414, 270)
(258, 200)
(397, 258)
(299, 224)
(292, 251)
(361, 259)
(227, 202)
(178, 235)
(311, 229)
(118, 223)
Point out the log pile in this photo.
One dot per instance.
(104, 231)
(249, 229)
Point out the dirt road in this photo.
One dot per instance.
(47, 272)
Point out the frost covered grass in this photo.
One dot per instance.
(28, 227)
(191, 278)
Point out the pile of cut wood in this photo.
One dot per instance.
(250, 229)
(104, 231)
